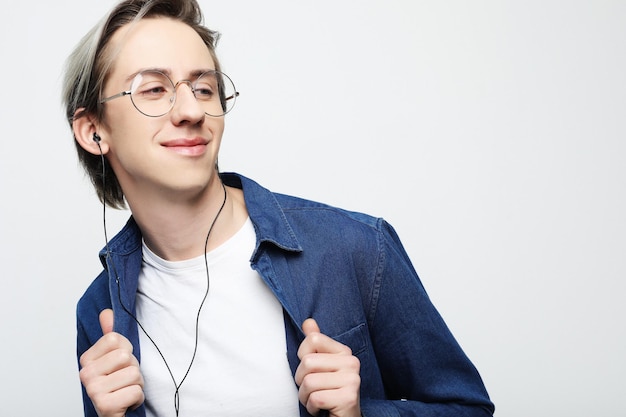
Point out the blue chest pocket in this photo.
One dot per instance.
(355, 339)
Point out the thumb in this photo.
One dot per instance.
(310, 326)
(106, 321)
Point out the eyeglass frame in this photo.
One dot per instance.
(175, 87)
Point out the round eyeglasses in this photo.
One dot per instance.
(153, 93)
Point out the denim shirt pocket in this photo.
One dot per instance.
(355, 339)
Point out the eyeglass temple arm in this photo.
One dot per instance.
(236, 94)
(122, 94)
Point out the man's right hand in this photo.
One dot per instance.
(110, 372)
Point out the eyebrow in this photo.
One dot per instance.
(193, 74)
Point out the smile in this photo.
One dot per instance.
(190, 147)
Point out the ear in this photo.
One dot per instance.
(84, 129)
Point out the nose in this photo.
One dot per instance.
(186, 108)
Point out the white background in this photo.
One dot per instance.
(491, 134)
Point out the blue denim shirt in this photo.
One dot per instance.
(347, 270)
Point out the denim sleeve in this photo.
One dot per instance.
(424, 370)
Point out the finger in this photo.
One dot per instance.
(99, 383)
(113, 382)
(310, 326)
(320, 343)
(326, 364)
(329, 391)
(106, 321)
(107, 364)
(117, 402)
(108, 343)
(311, 332)
(329, 362)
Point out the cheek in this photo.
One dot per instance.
(130, 140)
(217, 130)
(120, 118)
(128, 126)
(219, 123)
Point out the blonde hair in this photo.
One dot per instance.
(87, 68)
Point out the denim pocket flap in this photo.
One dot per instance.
(354, 338)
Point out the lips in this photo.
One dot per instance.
(184, 146)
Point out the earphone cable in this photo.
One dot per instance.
(111, 263)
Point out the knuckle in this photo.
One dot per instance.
(354, 363)
(89, 376)
(115, 340)
(304, 382)
(103, 405)
(83, 360)
(85, 374)
(111, 338)
(308, 383)
(315, 338)
(123, 356)
(94, 390)
(307, 361)
(355, 381)
(317, 400)
(135, 375)
(137, 392)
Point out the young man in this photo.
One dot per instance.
(220, 297)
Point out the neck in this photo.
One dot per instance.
(177, 230)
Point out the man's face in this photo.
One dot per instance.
(174, 153)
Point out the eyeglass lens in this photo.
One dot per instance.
(153, 93)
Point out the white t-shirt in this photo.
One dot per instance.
(241, 366)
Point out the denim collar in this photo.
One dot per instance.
(267, 215)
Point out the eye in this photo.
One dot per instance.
(205, 87)
(152, 90)
(203, 92)
(151, 86)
